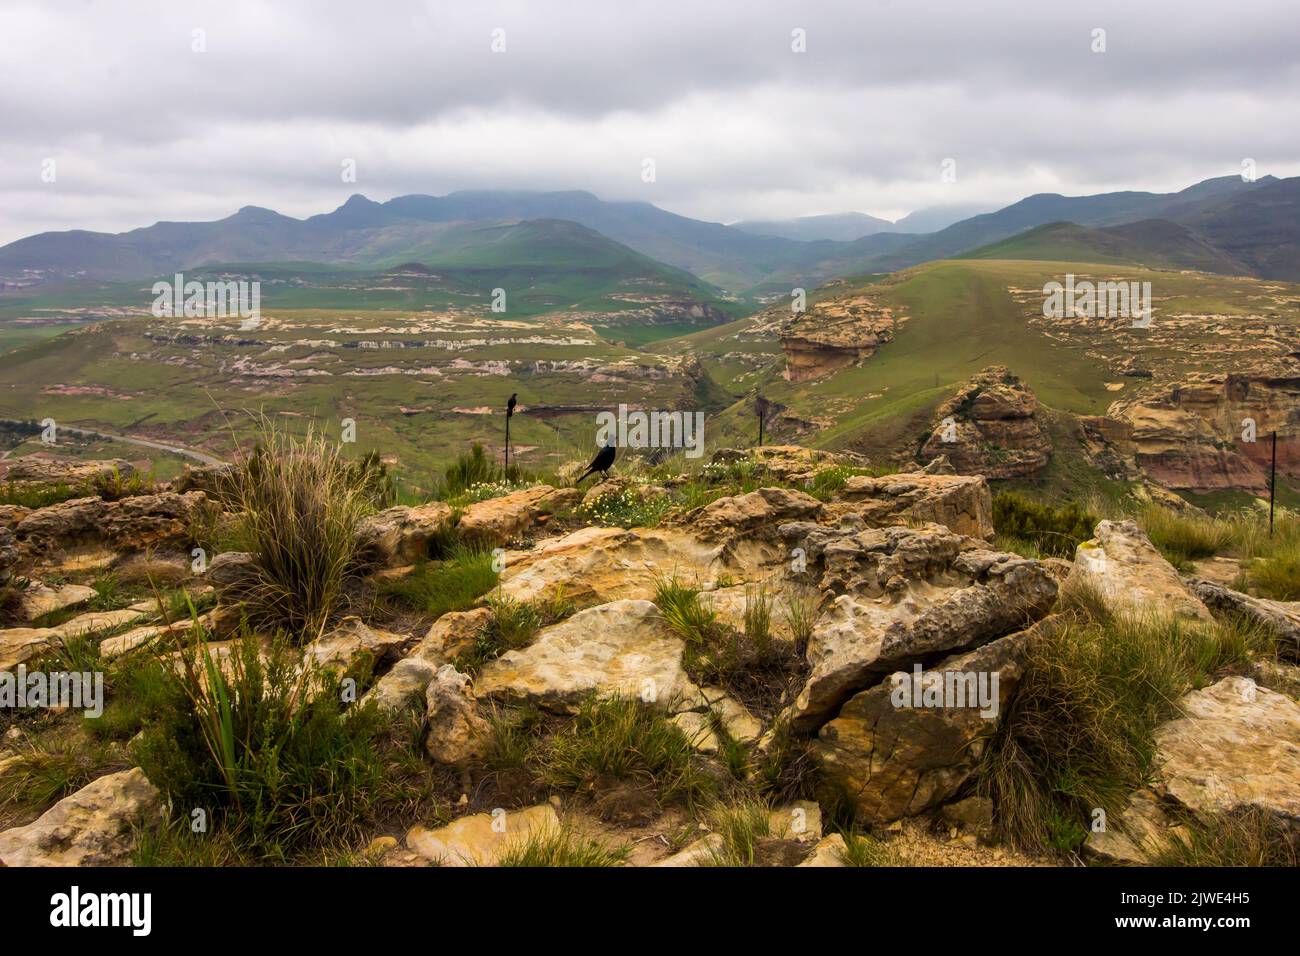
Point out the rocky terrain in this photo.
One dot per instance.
(825, 662)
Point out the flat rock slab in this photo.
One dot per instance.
(597, 565)
(622, 648)
(481, 839)
(42, 599)
(1237, 745)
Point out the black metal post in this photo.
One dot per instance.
(1272, 479)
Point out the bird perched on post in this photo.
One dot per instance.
(510, 412)
(601, 463)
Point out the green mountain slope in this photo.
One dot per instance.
(1155, 243)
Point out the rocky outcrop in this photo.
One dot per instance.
(899, 596)
(137, 523)
(1193, 436)
(990, 427)
(42, 470)
(41, 599)
(911, 742)
(838, 331)
(754, 513)
(96, 826)
(961, 503)
(1131, 576)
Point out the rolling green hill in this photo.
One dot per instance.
(1155, 243)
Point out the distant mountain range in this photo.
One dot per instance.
(1220, 225)
(847, 226)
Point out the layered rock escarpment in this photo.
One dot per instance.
(1194, 436)
(990, 427)
(837, 332)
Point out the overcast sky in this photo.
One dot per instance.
(141, 127)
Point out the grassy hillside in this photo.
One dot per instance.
(963, 315)
(1155, 243)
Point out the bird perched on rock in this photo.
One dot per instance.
(601, 463)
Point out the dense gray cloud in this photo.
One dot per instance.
(141, 127)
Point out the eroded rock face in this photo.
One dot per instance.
(501, 520)
(93, 827)
(990, 428)
(621, 648)
(906, 745)
(401, 535)
(457, 731)
(481, 839)
(836, 332)
(1122, 564)
(137, 523)
(896, 596)
(961, 503)
(1189, 436)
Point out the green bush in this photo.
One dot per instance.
(1053, 531)
(298, 504)
(263, 744)
(436, 587)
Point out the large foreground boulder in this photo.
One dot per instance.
(912, 741)
(96, 826)
(899, 596)
(1235, 748)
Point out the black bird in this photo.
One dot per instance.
(601, 463)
